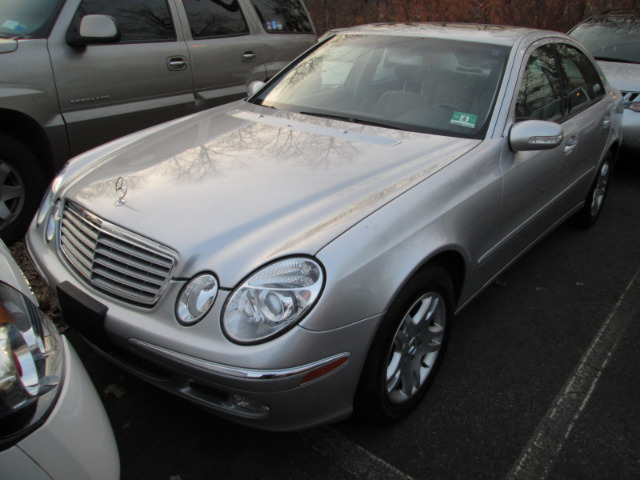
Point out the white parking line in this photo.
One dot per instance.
(351, 457)
(543, 449)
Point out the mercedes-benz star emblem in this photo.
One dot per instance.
(121, 191)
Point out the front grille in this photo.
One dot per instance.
(114, 260)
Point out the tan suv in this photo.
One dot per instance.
(78, 73)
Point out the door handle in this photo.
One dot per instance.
(606, 123)
(571, 145)
(177, 63)
(248, 56)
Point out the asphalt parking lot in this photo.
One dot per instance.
(540, 381)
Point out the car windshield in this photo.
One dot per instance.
(417, 84)
(611, 38)
(28, 18)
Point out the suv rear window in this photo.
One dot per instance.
(215, 19)
(283, 16)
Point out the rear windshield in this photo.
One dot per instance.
(283, 16)
(611, 38)
(28, 18)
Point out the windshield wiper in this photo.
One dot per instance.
(376, 124)
(329, 115)
(360, 121)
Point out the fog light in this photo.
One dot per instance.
(249, 404)
(54, 216)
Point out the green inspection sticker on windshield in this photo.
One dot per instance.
(464, 119)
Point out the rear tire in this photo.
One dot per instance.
(22, 183)
(594, 201)
(408, 348)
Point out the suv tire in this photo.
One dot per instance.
(22, 183)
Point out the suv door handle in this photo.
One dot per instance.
(248, 56)
(177, 63)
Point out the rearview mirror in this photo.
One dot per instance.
(94, 29)
(254, 87)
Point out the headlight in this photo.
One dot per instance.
(31, 365)
(274, 298)
(49, 197)
(196, 299)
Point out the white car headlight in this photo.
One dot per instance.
(31, 365)
(274, 298)
(196, 298)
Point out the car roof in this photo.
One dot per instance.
(615, 13)
(492, 34)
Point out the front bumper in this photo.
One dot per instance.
(298, 380)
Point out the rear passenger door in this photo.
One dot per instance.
(224, 56)
(106, 91)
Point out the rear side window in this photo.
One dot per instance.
(583, 81)
(283, 16)
(215, 18)
(138, 20)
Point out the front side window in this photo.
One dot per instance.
(540, 95)
(215, 18)
(425, 85)
(283, 16)
(138, 20)
(583, 82)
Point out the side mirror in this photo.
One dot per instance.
(254, 87)
(535, 135)
(94, 29)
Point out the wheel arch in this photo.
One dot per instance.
(453, 262)
(31, 134)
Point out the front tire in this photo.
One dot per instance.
(22, 183)
(407, 349)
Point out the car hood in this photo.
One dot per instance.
(623, 76)
(237, 186)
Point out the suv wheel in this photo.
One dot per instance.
(22, 184)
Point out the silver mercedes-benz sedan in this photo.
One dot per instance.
(287, 259)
